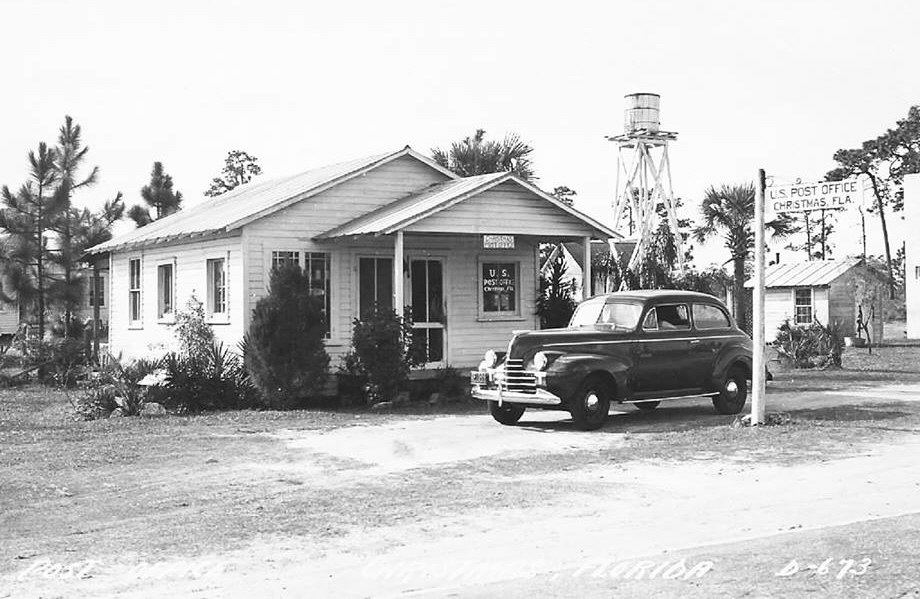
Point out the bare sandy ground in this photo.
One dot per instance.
(635, 509)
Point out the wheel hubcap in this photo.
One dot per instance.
(592, 401)
(731, 387)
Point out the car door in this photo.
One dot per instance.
(711, 329)
(661, 354)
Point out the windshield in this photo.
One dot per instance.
(587, 313)
(620, 315)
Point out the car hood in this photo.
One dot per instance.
(526, 344)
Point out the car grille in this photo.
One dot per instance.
(517, 379)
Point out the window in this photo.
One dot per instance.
(917, 272)
(620, 315)
(499, 288)
(217, 287)
(134, 290)
(803, 306)
(375, 285)
(165, 291)
(97, 291)
(667, 318)
(316, 265)
(280, 258)
(710, 317)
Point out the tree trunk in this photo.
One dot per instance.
(881, 214)
(738, 291)
(823, 237)
(808, 235)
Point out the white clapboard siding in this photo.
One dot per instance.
(154, 337)
(507, 208)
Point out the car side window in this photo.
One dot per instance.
(710, 317)
(651, 321)
(673, 317)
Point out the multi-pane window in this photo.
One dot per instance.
(375, 285)
(499, 287)
(282, 257)
(165, 290)
(316, 265)
(97, 290)
(217, 287)
(803, 306)
(134, 290)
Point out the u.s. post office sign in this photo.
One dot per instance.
(498, 242)
(803, 197)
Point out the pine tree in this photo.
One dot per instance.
(239, 169)
(158, 195)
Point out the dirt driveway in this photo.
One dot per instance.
(520, 506)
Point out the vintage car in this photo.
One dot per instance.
(633, 347)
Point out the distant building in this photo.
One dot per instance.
(912, 254)
(824, 291)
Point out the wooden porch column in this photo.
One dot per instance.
(95, 313)
(586, 271)
(398, 281)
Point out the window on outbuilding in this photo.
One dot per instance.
(134, 290)
(804, 306)
(217, 287)
(165, 291)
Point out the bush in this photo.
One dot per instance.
(115, 386)
(285, 348)
(380, 355)
(810, 346)
(214, 379)
(556, 302)
(194, 333)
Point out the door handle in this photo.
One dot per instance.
(694, 341)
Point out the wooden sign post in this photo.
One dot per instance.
(759, 374)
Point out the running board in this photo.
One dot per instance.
(695, 396)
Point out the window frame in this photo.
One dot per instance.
(728, 320)
(92, 292)
(796, 305)
(138, 291)
(212, 316)
(499, 315)
(658, 328)
(360, 287)
(305, 262)
(166, 317)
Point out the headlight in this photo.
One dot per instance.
(540, 361)
(490, 359)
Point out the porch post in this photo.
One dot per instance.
(96, 312)
(586, 270)
(398, 291)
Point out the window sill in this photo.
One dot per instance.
(135, 326)
(217, 321)
(170, 320)
(503, 318)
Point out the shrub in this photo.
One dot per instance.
(194, 333)
(380, 355)
(285, 348)
(556, 302)
(810, 346)
(214, 379)
(115, 386)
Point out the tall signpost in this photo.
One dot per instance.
(797, 197)
(758, 376)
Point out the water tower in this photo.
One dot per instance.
(644, 176)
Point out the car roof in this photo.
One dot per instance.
(646, 295)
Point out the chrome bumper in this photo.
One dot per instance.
(541, 397)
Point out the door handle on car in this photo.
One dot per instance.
(694, 341)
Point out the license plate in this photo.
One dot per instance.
(478, 377)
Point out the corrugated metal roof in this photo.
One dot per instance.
(248, 202)
(431, 200)
(805, 274)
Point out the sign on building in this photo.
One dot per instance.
(804, 197)
(498, 242)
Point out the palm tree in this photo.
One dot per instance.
(477, 156)
(729, 211)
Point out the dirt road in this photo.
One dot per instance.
(613, 511)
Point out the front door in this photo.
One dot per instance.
(429, 318)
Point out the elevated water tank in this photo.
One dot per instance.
(642, 113)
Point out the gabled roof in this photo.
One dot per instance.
(254, 200)
(415, 207)
(816, 273)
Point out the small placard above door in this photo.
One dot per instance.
(498, 242)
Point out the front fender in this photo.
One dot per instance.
(566, 374)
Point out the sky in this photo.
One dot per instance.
(779, 85)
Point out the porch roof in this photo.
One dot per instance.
(436, 198)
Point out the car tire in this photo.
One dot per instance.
(733, 394)
(590, 404)
(508, 414)
(647, 406)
